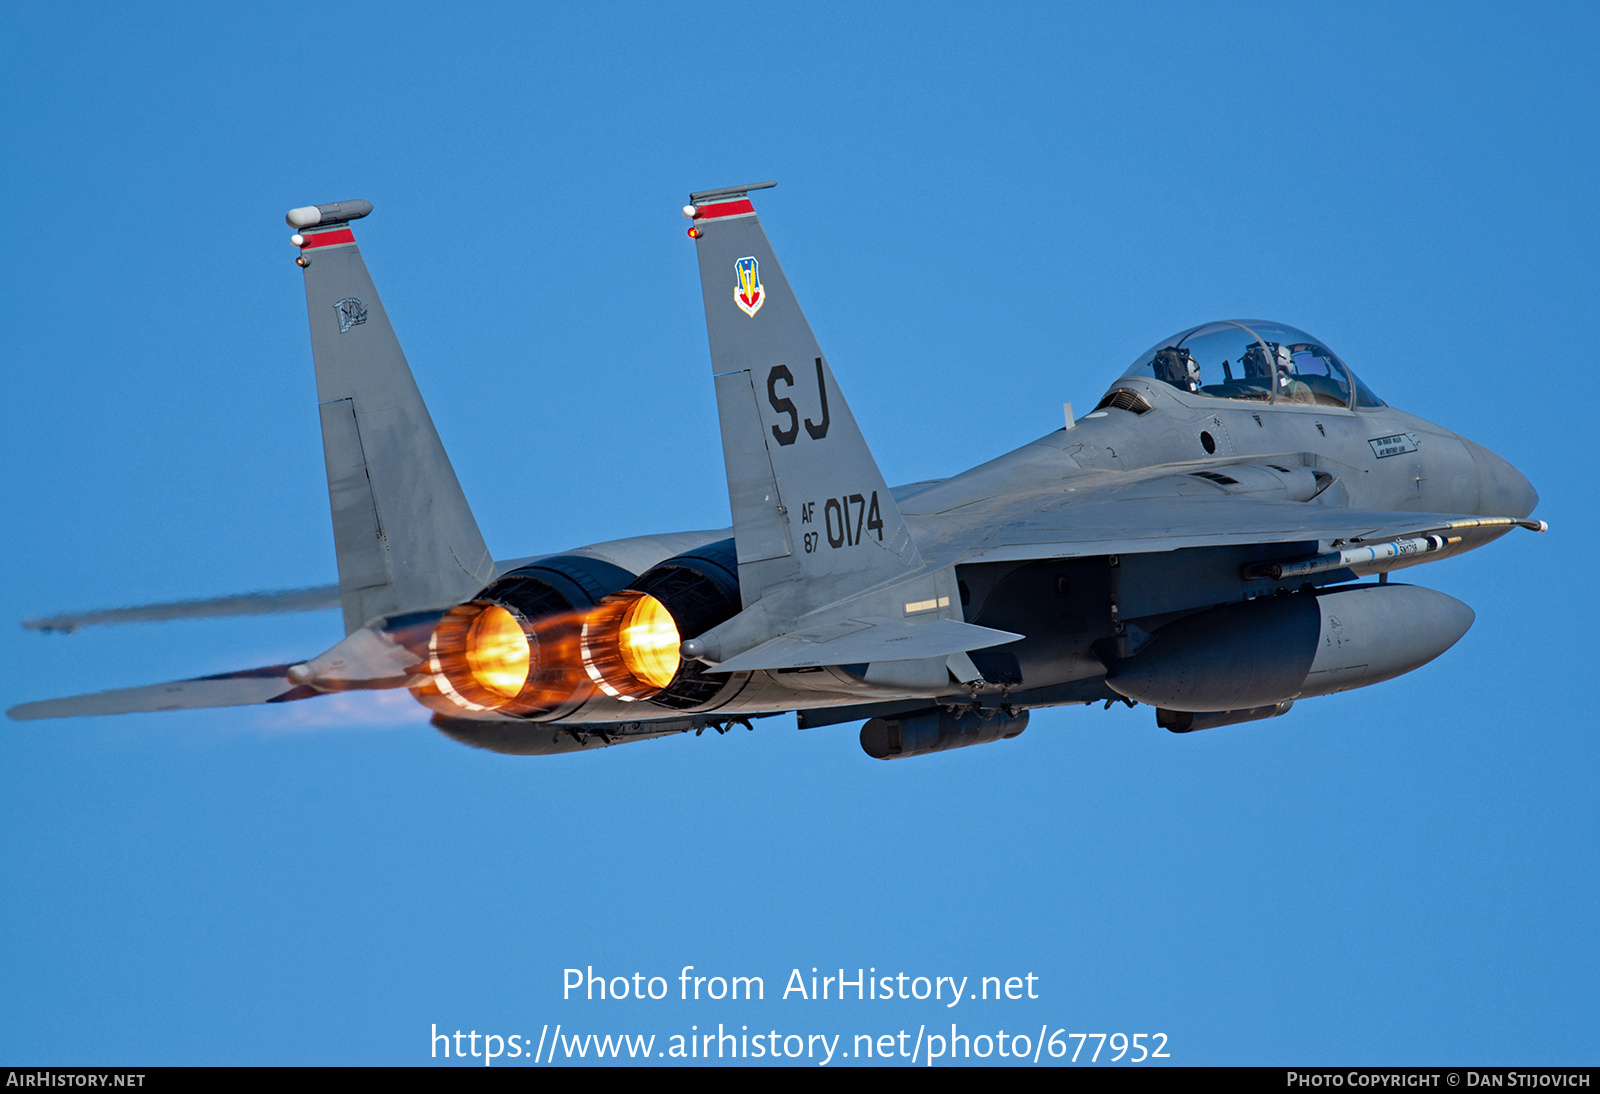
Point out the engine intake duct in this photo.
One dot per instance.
(630, 642)
(926, 732)
(514, 647)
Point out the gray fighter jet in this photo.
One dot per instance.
(1214, 540)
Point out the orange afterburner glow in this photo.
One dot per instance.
(482, 655)
(497, 652)
(485, 656)
(630, 646)
(649, 642)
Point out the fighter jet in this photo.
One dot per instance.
(1214, 540)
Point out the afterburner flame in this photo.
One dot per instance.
(649, 642)
(630, 646)
(497, 652)
(482, 657)
(486, 656)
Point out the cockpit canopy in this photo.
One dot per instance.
(1256, 360)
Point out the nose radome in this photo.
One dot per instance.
(1503, 491)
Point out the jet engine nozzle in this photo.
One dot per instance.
(542, 640)
(631, 640)
(488, 656)
(514, 648)
(481, 654)
(630, 646)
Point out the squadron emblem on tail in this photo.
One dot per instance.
(749, 294)
(352, 313)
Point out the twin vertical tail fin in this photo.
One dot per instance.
(405, 537)
(813, 520)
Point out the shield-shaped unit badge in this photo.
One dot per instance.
(352, 313)
(749, 294)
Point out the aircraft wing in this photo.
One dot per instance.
(315, 598)
(229, 689)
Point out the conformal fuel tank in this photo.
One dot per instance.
(1276, 648)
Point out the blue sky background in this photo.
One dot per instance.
(987, 211)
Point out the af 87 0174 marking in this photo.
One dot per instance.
(847, 519)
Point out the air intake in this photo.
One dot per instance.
(1124, 400)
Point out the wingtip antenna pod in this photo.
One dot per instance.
(730, 201)
(334, 212)
(701, 197)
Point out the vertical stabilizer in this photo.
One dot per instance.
(405, 537)
(812, 518)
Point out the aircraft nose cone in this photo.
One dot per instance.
(1503, 491)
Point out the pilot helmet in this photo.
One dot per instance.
(1177, 366)
(1284, 362)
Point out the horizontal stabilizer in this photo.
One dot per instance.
(313, 599)
(860, 641)
(228, 689)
